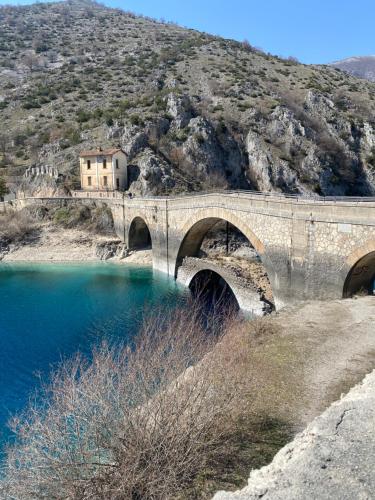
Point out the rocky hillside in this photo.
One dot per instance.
(193, 111)
(363, 67)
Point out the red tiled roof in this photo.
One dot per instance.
(101, 152)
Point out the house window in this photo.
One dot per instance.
(118, 182)
(105, 180)
(117, 165)
(88, 164)
(104, 163)
(89, 182)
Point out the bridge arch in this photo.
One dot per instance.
(197, 227)
(204, 275)
(139, 235)
(361, 275)
(212, 286)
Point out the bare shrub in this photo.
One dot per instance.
(293, 60)
(296, 106)
(134, 423)
(3, 143)
(178, 158)
(30, 59)
(247, 46)
(98, 219)
(17, 226)
(214, 181)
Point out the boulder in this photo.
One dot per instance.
(110, 249)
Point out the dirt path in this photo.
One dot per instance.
(318, 351)
(298, 362)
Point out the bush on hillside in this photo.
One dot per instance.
(98, 219)
(3, 187)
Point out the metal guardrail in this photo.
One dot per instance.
(266, 194)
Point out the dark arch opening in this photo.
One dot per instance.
(361, 278)
(218, 239)
(139, 235)
(213, 292)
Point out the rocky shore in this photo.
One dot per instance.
(53, 244)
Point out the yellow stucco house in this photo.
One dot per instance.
(103, 169)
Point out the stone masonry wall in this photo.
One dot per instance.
(307, 246)
(246, 293)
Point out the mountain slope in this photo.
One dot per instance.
(362, 67)
(193, 111)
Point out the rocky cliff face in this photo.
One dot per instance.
(192, 111)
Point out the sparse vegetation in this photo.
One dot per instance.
(81, 86)
(98, 220)
(17, 227)
(148, 421)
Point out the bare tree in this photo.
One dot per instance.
(3, 188)
(154, 137)
(139, 422)
(214, 181)
(52, 56)
(247, 45)
(177, 157)
(30, 59)
(293, 59)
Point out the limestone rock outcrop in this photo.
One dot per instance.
(109, 249)
(179, 108)
(153, 175)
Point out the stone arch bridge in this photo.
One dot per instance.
(311, 248)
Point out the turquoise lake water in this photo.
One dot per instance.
(49, 312)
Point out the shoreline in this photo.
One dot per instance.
(114, 261)
(141, 258)
(66, 246)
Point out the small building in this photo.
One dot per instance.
(103, 169)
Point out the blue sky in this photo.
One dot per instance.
(315, 31)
